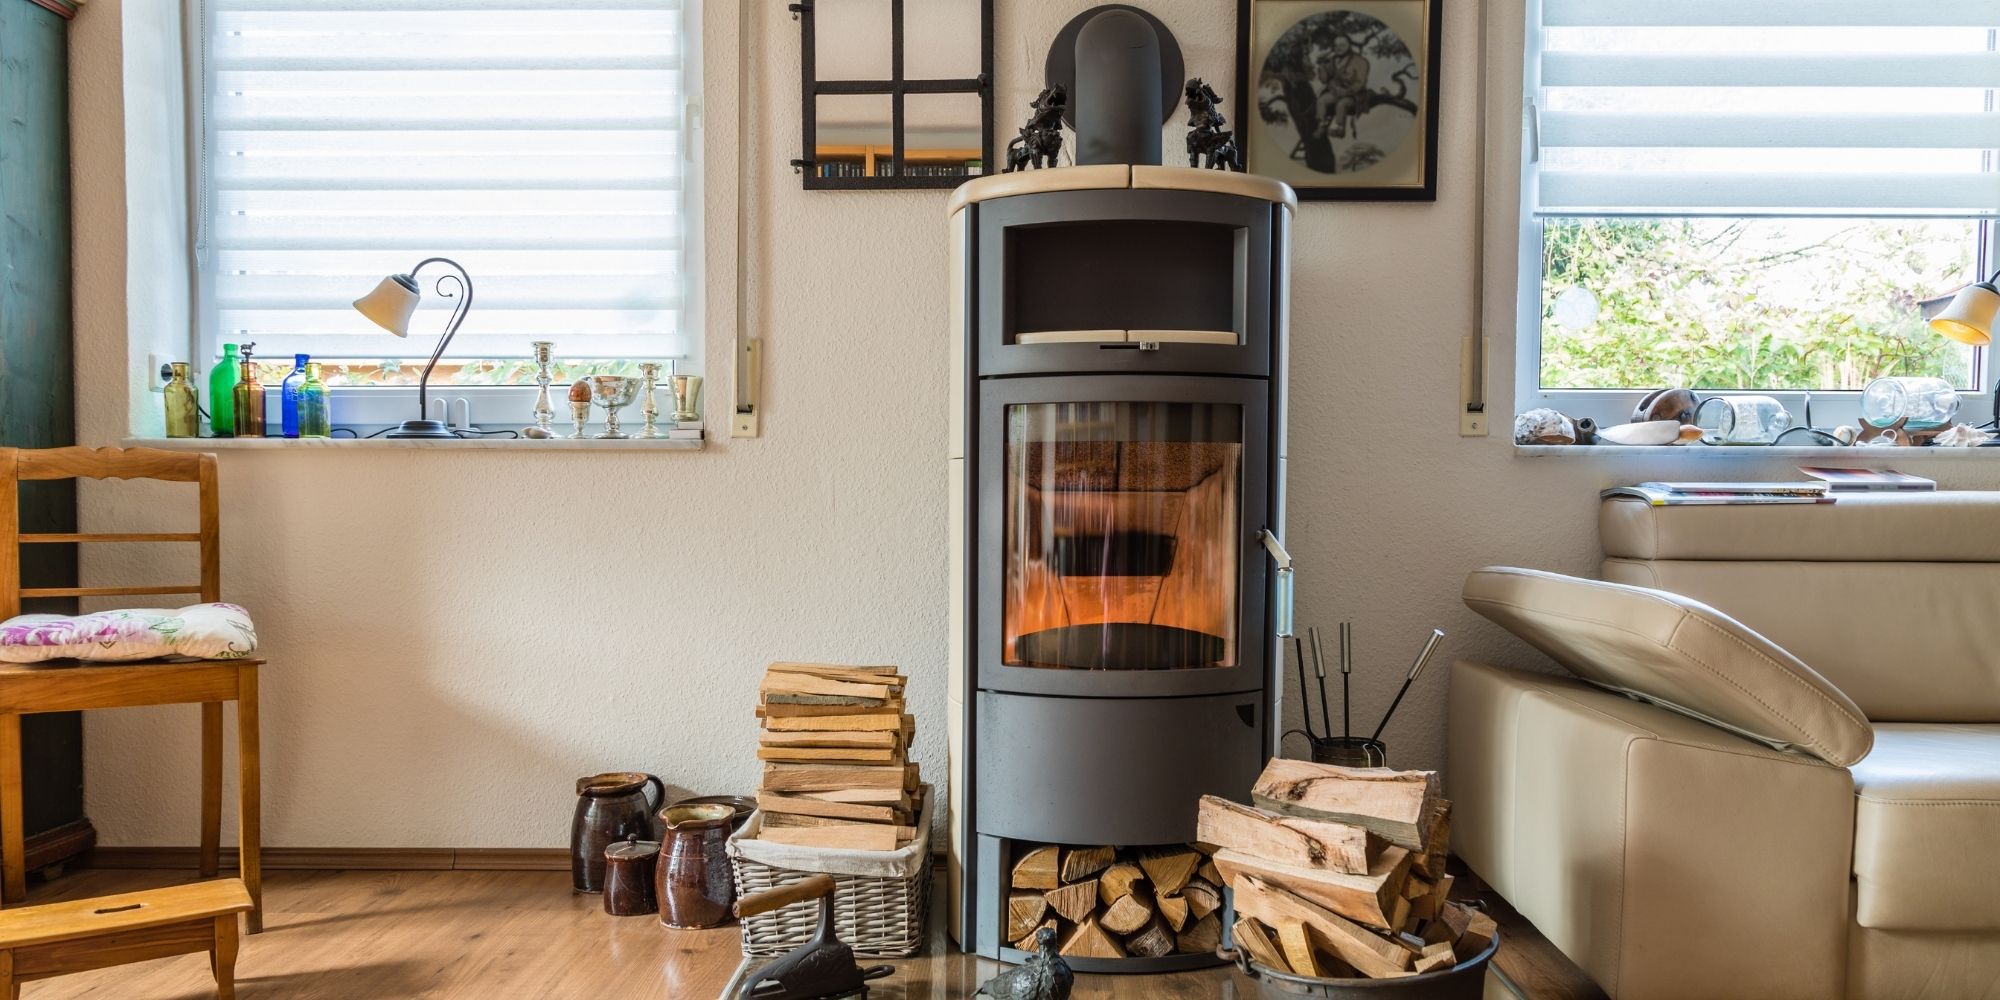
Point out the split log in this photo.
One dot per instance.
(1436, 956)
(1437, 846)
(1202, 898)
(1308, 843)
(1118, 881)
(1025, 911)
(1370, 954)
(1156, 941)
(854, 837)
(1208, 872)
(1075, 901)
(1169, 868)
(1392, 804)
(870, 796)
(1037, 869)
(837, 723)
(1028, 943)
(1370, 899)
(1475, 932)
(1082, 862)
(1201, 937)
(1174, 910)
(1128, 914)
(835, 738)
(1297, 944)
(785, 711)
(828, 755)
(779, 688)
(1090, 941)
(806, 805)
(839, 672)
(1256, 941)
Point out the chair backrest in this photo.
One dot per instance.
(17, 464)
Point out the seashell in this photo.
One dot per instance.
(1544, 426)
(1649, 432)
(1961, 436)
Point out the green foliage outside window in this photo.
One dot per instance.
(1748, 304)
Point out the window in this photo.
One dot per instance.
(1752, 194)
(544, 147)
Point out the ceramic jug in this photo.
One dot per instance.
(609, 808)
(694, 887)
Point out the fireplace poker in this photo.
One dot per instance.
(1319, 670)
(1416, 670)
(1346, 670)
(1305, 707)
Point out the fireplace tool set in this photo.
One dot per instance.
(1348, 749)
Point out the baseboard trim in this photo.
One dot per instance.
(512, 859)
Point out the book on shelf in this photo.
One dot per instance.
(1869, 480)
(1680, 495)
(1776, 489)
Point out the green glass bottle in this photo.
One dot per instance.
(183, 412)
(221, 385)
(315, 421)
(249, 402)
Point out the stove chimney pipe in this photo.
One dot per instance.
(1117, 93)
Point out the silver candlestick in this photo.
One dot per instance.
(545, 411)
(651, 372)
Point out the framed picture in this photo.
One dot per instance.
(1338, 98)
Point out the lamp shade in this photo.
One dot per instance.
(1969, 317)
(389, 306)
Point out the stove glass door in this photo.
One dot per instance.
(1122, 529)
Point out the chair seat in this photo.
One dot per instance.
(130, 911)
(1927, 817)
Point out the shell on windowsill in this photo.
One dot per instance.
(1961, 436)
(1544, 426)
(1650, 433)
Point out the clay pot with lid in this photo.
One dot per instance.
(609, 808)
(694, 887)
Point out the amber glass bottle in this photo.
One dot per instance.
(183, 412)
(248, 398)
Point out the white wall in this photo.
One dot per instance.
(455, 636)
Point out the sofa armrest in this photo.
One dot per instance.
(1665, 856)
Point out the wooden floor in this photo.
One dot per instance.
(356, 935)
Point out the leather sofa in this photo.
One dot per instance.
(1776, 772)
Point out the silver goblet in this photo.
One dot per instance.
(614, 393)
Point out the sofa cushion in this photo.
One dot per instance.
(1927, 818)
(1942, 526)
(1677, 653)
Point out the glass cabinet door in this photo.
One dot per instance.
(1122, 529)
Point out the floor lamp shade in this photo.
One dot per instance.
(391, 304)
(1969, 317)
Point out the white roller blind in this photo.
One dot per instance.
(539, 144)
(1747, 107)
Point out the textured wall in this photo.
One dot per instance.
(457, 635)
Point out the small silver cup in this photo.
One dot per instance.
(687, 397)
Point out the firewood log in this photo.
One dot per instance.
(828, 755)
(781, 710)
(1201, 937)
(1307, 843)
(837, 723)
(1202, 898)
(1028, 943)
(1370, 954)
(1256, 941)
(836, 739)
(1075, 901)
(1037, 869)
(1207, 872)
(832, 777)
(1370, 898)
(1090, 941)
(1117, 881)
(1082, 862)
(1392, 804)
(1025, 910)
(1478, 933)
(1436, 956)
(854, 837)
(1126, 916)
(1437, 846)
(1174, 910)
(1169, 868)
(1296, 942)
(1155, 941)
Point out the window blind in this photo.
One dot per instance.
(1754, 107)
(540, 144)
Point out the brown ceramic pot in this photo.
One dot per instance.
(743, 804)
(629, 870)
(693, 885)
(609, 808)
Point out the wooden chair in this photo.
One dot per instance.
(26, 690)
(56, 939)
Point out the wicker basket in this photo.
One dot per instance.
(881, 902)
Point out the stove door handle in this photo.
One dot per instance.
(1285, 586)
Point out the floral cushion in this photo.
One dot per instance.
(202, 631)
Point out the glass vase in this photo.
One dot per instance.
(315, 419)
(288, 396)
(248, 402)
(183, 408)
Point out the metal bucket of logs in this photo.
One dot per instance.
(1464, 981)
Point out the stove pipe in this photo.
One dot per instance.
(1118, 96)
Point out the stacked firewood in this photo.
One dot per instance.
(1110, 902)
(1339, 872)
(835, 748)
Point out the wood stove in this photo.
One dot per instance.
(1118, 449)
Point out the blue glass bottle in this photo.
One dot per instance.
(288, 395)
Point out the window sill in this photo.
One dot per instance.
(1727, 452)
(362, 444)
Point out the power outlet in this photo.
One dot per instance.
(1471, 424)
(155, 365)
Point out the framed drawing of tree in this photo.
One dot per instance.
(1338, 98)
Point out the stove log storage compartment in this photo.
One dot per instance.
(1117, 428)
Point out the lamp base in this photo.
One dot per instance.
(422, 429)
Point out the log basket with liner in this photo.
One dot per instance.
(1464, 981)
(881, 906)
